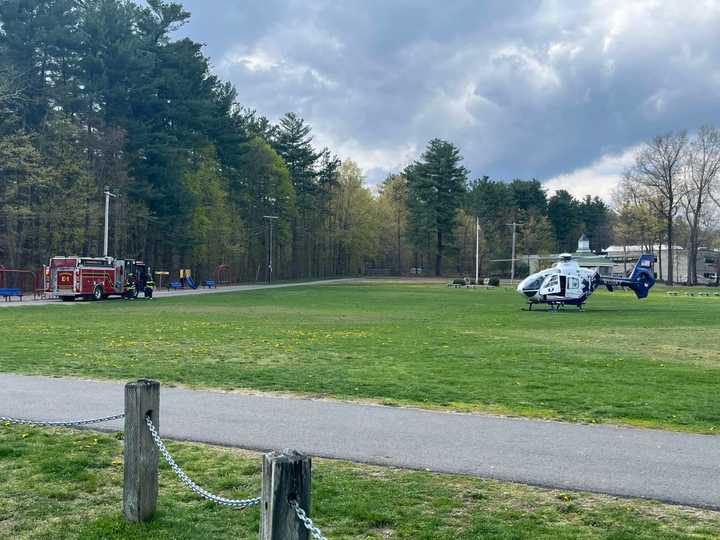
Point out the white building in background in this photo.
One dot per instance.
(583, 255)
(619, 260)
(624, 257)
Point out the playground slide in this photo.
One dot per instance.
(191, 283)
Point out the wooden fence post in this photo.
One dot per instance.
(285, 476)
(140, 486)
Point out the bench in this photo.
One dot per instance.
(210, 283)
(8, 292)
(175, 285)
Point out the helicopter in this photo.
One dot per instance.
(568, 283)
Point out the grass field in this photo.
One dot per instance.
(68, 484)
(654, 363)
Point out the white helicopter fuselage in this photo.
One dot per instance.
(565, 283)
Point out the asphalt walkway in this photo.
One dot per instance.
(164, 293)
(674, 467)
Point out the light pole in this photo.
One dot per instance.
(108, 194)
(477, 249)
(270, 251)
(512, 260)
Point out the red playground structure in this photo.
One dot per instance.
(16, 282)
(223, 275)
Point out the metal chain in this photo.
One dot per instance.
(185, 479)
(67, 423)
(309, 525)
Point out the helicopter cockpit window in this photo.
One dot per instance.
(535, 284)
(552, 281)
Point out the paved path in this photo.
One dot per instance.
(164, 293)
(674, 467)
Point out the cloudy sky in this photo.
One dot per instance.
(562, 91)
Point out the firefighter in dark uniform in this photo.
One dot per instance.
(146, 284)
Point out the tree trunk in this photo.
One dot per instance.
(694, 242)
(625, 258)
(439, 254)
(399, 244)
(295, 249)
(671, 255)
(692, 258)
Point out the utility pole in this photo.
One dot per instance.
(270, 248)
(108, 194)
(512, 260)
(477, 249)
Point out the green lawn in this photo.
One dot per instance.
(653, 363)
(68, 484)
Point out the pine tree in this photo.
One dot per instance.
(436, 185)
(293, 141)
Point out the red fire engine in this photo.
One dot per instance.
(96, 278)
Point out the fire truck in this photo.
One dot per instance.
(96, 278)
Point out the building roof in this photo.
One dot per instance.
(656, 247)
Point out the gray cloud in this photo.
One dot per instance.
(526, 89)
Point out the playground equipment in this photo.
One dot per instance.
(186, 278)
(222, 275)
(160, 276)
(15, 282)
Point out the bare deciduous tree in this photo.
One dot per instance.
(658, 175)
(635, 221)
(702, 169)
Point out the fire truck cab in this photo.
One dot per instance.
(96, 278)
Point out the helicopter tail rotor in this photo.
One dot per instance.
(641, 279)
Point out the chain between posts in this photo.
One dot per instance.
(309, 525)
(66, 423)
(185, 479)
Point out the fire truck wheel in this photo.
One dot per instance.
(98, 293)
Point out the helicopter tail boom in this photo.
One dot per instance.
(640, 281)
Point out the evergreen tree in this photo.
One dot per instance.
(293, 141)
(528, 196)
(492, 202)
(264, 189)
(563, 213)
(594, 215)
(436, 185)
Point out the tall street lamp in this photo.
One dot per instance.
(477, 249)
(108, 194)
(270, 247)
(514, 226)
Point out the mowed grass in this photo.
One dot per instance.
(653, 363)
(68, 484)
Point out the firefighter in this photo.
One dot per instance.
(146, 284)
(131, 289)
(149, 287)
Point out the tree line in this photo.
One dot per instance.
(671, 196)
(96, 94)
